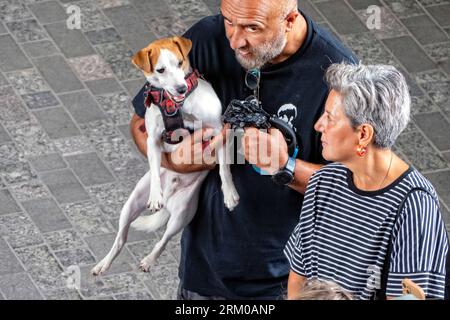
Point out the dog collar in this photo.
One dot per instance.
(170, 109)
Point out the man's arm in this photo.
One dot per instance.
(139, 135)
(303, 172)
(274, 144)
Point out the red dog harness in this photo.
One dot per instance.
(170, 109)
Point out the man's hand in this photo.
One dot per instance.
(267, 150)
(197, 151)
(191, 155)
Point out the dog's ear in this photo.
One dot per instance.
(183, 44)
(143, 60)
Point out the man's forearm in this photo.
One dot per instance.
(303, 172)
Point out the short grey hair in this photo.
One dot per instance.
(314, 289)
(373, 94)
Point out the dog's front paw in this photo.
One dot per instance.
(230, 197)
(155, 202)
(145, 264)
(99, 269)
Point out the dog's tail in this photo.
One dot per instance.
(152, 222)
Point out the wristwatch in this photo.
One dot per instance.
(285, 175)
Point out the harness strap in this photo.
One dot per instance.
(170, 109)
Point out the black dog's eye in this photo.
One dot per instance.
(161, 70)
(180, 64)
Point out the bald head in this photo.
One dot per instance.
(280, 8)
(258, 29)
(284, 7)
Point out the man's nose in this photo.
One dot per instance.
(237, 40)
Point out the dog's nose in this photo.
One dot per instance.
(182, 89)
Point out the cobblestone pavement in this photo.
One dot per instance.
(67, 163)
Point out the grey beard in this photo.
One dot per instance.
(264, 53)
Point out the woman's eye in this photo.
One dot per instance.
(160, 70)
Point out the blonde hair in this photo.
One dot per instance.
(322, 290)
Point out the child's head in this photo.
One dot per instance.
(322, 290)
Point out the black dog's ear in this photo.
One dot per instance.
(183, 44)
(143, 60)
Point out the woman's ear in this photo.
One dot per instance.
(366, 134)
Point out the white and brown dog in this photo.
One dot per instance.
(173, 196)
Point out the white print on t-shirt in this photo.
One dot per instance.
(288, 113)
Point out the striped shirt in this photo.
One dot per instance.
(343, 234)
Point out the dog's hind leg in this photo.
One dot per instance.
(182, 206)
(150, 223)
(135, 204)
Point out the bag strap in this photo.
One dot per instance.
(380, 294)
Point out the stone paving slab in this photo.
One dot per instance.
(90, 169)
(67, 160)
(409, 53)
(38, 49)
(9, 264)
(64, 186)
(57, 123)
(11, 56)
(4, 137)
(19, 287)
(2, 29)
(71, 42)
(46, 214)
(48, 12)
(82, 106)
(58, 74)
(103, 86)
(9, 205)
(48, 162)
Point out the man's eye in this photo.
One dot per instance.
(252, 28)
(161, 70)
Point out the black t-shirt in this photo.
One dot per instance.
(240, 254)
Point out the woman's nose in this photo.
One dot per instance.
(318, 125)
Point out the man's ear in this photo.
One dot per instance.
(290, 19)
(143, 61)
(183, 44)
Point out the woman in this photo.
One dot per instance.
(349, 211)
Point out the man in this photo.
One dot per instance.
(239, 254)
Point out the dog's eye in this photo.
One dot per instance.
(180, 64)
(161, 70)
